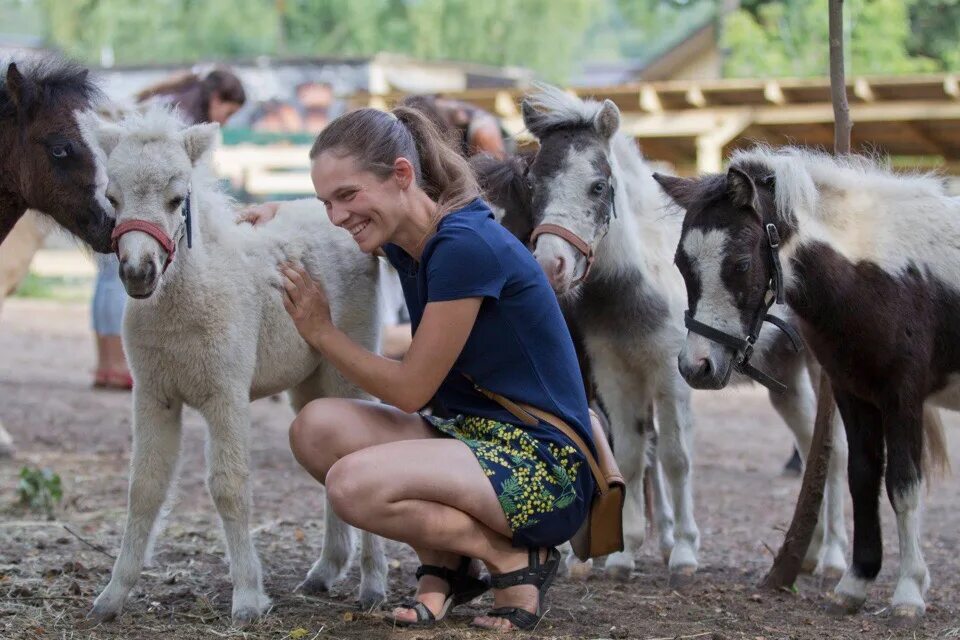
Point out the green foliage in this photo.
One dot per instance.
(66, 289)
(764, 38)
(39, 489)
(770, 38)
(935, 31)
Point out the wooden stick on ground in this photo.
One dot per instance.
(786, 566)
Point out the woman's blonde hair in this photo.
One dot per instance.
(375, 139)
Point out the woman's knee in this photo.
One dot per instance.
(315, 435)
(348, 487)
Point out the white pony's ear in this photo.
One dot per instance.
(97, 131)
(607, 120)
(199, 139)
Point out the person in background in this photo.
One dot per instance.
(211, 97)
(471, 129)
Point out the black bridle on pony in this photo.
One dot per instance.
(744, 346)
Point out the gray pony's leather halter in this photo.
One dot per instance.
(744, 346)
(157, 233)
(578, 243)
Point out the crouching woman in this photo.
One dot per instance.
(484, 484)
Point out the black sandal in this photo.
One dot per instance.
(538, 574)
(464, 588)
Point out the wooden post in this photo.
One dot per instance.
(786, 566)
(838, 83)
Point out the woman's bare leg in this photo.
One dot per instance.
(388, 473)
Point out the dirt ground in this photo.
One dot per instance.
(49, 577)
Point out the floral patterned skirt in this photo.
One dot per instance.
(542, 481)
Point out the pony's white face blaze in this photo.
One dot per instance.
(569, 200)
(703, 362)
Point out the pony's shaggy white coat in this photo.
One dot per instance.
(214, 335)
(858, 207)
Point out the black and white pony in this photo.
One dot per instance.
(600, 230)
(870, 265)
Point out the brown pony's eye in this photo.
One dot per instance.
(743, 266)
(60, 151)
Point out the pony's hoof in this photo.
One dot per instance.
(371, 599)
(312, 586)
(906, 615)
(809, 567)
(99, 615)
(682, 577)
(830, 576)
(245, 616)
(619, 572)
(839, 604)
(579, 570)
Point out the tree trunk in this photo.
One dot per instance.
(838, 84)
(786, 566)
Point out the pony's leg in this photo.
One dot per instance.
(156, 449)
(797, 406)
(675, 447)
(6, 443)
(228, 479)
(865, 470)
(659, 501)
(338, 537)
(335, 556)
(627, 409)
(904, 435)
(833, 561)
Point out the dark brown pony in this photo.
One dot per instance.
(868, 262)
(46, 163)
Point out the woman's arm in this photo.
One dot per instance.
(408, 384)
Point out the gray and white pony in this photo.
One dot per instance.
(207, 328)
(589, 184)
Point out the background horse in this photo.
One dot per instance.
(207, 328)
(603, 236)
(870, 266)
(46, 165)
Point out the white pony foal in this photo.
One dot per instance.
(207, 328)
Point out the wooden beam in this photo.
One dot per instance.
(863, 90)
(505, 105)
(924, 136)
(649, 100)
(695, 97)
(951, 86)
(773, 92)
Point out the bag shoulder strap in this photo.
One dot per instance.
(531, 416)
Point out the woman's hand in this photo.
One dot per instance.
(307, 303)
(259, 214)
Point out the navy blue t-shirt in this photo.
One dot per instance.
(519, 346)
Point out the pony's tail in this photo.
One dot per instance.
(936, 458)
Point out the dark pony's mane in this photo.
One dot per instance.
(52, 79)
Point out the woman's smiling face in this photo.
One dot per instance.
(366, 205)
